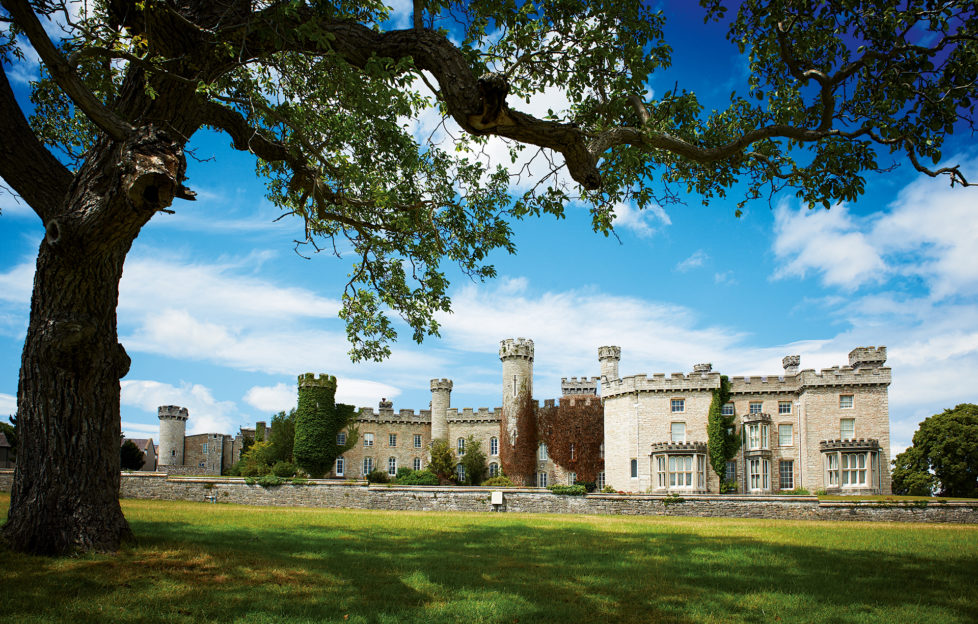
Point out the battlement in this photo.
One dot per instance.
(516, 348)
(760, 384)
(469, 415)
(172, 412)
(441, 384)
(678, 382)
(585, 386)
(861, 357)
(569, 401)
(307, 380)
(384, 415)
(609, 353)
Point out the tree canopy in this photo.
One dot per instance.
(322, 93)
(944, 456)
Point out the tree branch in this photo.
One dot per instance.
(26, 165)
(63, 73)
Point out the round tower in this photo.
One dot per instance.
(173, 428)
(609, 356)
(517, 357)
(316, 392)
(441, 400)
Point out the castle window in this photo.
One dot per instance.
(417, 440)
(832, 469)
(493, 469)
(571, 478)
(764, 431)
(634, 468)
(417, 463)
(601, 483)
(493, 446)
(845, 401)
(660, 470)
(787, 474)
(785, 435)
(460, 473)
(461, 446)
(727, 409)
(678, 431)
(854, 469)
(205, 448)
(760, 477)
(173, 453)
(847, 428)
(678, 405)
(392, 439)
(755, 407)
(340, 438)
(680, 471)
(392, 466)
(541, 479)
(542, 452)
(730, 475)
(784, 407)
(368, 439)
(368, 465)
(340, 466)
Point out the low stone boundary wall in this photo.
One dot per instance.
(358, 495)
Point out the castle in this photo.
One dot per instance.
(825, 430)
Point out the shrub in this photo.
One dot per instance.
(500, 481)
(299, 481)
(607, 490)
(798, 491)
(402, 472)
(131, 457)
(283, 469)
(378, 476)
(419, 477)
(568, 490)
(728, 487)
(270, 480)
(589, 486)
(443, 460)
(474, 462)
(821, 492)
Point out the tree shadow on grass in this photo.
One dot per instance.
(489, 569)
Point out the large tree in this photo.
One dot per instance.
(943, 457)
(319, 92)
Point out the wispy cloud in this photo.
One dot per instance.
(207, 414)
(643, 223)
(8, 406)
(696, 260)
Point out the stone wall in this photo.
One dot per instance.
(356, 495)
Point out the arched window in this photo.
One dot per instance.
(493, 446)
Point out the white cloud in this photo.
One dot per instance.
(140, 430)
(16, 284)
(8, 406)
(696, 260)
(725, 277)
(12, 205)
(827, 242)
(277, 398)
(207, 414)
(643, 223)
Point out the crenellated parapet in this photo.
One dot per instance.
(677, 382)
(678, 447)
(467, 415)
(765, 384)
(172, 412)
(441, 385)
(609, 353)
(404, 416)
(584, 386)
(521, 348)
(871, 357)
(572, 400)
(309, 380)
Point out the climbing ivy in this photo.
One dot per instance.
(722, 439)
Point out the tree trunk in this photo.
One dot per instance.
(65, 495)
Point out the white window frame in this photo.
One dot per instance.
(600, 483)
(846, 401)
(754, 436)
(542, 454)
(727, 409)
(784, 407)
(494, 446)
(417, 464)
(662, 475)
(417, 440)
(493, 469)
(204, 450)
(571, 478)
(460, 446)
(672, 432)
(392, 439)
(831, 469)
(842, 429)
(790, 435)
(368, 440)
(765, 437)
(341, 438)
(368, 465)
(542, 479)
(392, 466)
(677, 406)
(730, 473)
(340, 468)
(790, 464)
(755, 407)
(460, 473)
(855, 469)
(681, 472)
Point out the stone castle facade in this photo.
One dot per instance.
(799, 429)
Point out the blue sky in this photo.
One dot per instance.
(219, 314)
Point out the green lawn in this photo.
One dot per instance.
(201, 562)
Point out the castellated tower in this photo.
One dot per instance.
(517, 357)
(441, 400)
(316, 391)
(609, 356)
(173, 428)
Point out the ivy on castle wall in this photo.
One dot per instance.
(574, 431)
(722, 439)
(518, 457)
(318, 419)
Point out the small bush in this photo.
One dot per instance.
(251, 480)
(299, 481)
(251, 469)
(283, 469)
(607, 490)
(500, 481)
(420, 477)
(798, 491)
(821, 492)
(728, 487)
(402, 472)
(568, 490)
(270, 480)
(378, 476)
(589, 486)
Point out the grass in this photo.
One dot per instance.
(197, 562)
